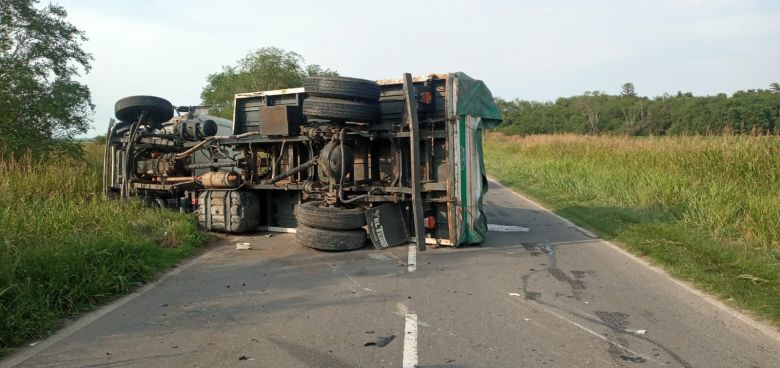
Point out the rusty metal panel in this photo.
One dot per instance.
(281, 120)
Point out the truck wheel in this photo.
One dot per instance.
(333, 109)
(332, 218)
(330, 239)
(129, 108)
(342, 87)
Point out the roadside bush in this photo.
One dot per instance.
(64, 248)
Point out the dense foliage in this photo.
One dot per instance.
(265, 69)
(42, 107)
(744, 112)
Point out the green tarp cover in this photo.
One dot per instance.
(473, 109)
(475, 99)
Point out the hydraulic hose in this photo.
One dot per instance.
(125, 191)
(196, 147)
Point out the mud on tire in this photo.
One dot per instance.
(323, 239)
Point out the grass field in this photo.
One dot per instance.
(64, 248)
(706, 208)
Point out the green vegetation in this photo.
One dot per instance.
(64, 248)
(706, 208)
(42, 106)
(265, 69)
(745, 112)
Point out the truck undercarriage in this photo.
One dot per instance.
(400, 158)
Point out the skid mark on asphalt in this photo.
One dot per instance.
(549, 309)
(355, 286)
(617, 347)
(614, 320)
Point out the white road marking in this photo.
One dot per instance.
(411, 263)
(508, 228)
(410, 341)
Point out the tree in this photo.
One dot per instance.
(634, 115)
(41, 107)
(627, 89)
(316, 69)
(774, 87)
(265, 69)
(590, 104)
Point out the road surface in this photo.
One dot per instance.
(553, 296)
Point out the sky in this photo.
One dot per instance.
(536, 50)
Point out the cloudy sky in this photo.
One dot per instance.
(522, 49)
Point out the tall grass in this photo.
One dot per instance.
(706, 207)
(64, 248)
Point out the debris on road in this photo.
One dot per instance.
(243, 246)
(508, 228)
(633, 358)
(381, 341)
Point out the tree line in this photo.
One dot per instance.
(43, 106)
(755, 111)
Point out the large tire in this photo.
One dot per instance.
(158, 110)
(331, 218)
(333, 109)
(323, 239)
(342, 87)
(234, 211)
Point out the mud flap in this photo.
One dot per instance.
(386, 226)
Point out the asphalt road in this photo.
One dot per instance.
(553, 296)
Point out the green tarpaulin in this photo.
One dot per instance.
(472, 110)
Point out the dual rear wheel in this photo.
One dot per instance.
(330, 228)
(341, 99)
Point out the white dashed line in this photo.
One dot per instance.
(411, 263)
(410, 341)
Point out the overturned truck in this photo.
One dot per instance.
(337, 161)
